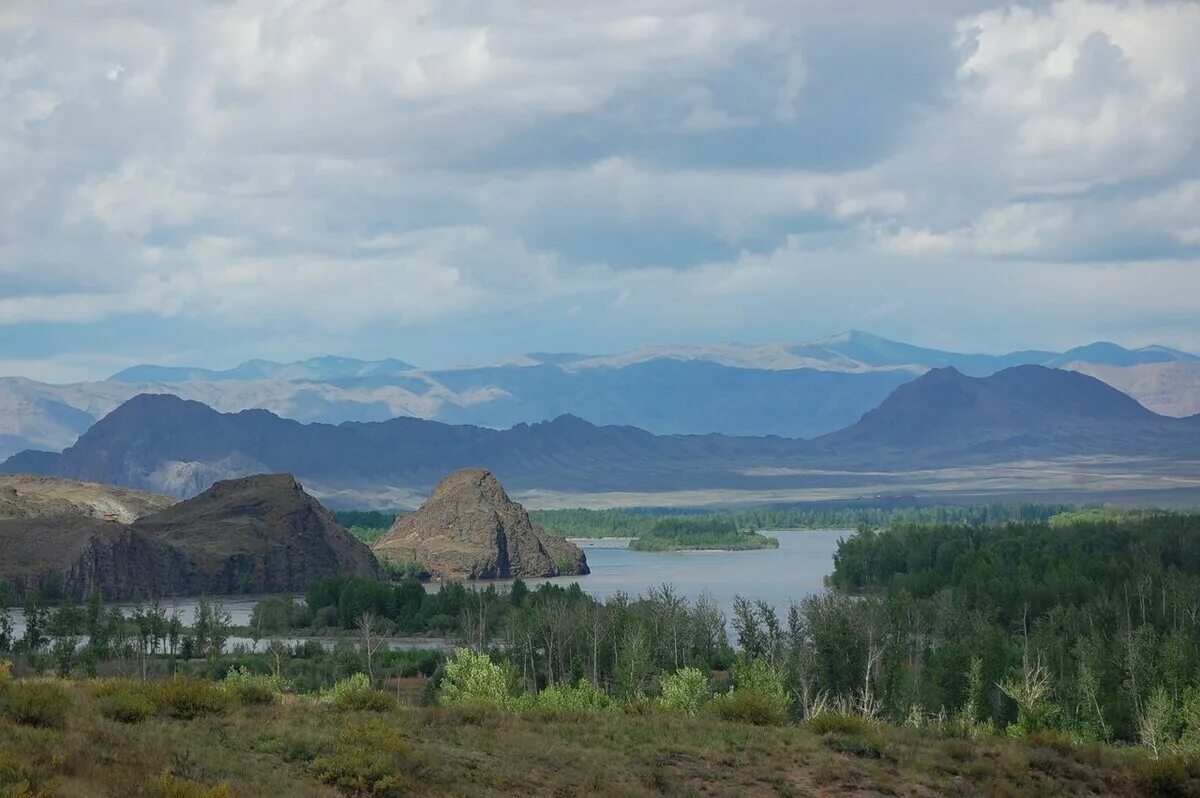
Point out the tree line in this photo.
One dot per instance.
(1087, 626)
(637, 522)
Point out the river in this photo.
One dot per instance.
(778, 576)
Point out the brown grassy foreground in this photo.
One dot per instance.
(304, 746)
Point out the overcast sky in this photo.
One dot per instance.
(454, 182)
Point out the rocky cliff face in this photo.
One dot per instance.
(259, 534)
(470, 529)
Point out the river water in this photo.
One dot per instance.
(778, 576)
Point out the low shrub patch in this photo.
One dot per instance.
(35, 703)
(865, 746)
(185, 698)
(370, 758)
(255, 688)
(356, 693)
(126, 706)
(168, 785)
(1170, 776)
(838, 723)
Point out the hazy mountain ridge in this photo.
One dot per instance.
(793, 390)
(942, 419)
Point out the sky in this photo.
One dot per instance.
(203, 182)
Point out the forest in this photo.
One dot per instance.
(636, 522)
(1087, 624)
(681, 533)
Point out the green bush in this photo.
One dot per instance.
(186, 698)
(126, 706)
(684, 692)
(356, 693)
(583, 696)
(35, 703)
(255, 688)
(473, 678)
(757, 697)
(370, 758)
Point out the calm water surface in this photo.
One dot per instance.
(778, 576)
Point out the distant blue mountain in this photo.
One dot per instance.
(789, 389)
(1109, 354)
(322, 369)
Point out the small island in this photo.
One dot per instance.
(693, 534)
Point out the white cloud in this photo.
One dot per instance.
(310, 169)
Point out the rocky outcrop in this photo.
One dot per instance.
(259, 534)
(470, 529)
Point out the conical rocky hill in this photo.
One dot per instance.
(470, 529)
(260, 534)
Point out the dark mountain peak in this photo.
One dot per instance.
(946, 408)
(570, 420)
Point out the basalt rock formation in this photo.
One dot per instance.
(470, 529)
(259, 534)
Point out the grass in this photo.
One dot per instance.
(303, 746)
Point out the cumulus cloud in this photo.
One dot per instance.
(297, 169)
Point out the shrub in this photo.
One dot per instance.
(35, 703)
(838, 723)
(168, 785)
(583, 696)
(757, 697)
(186, 698)
(255, 688)
(356, 692)
(371, 758)
(473, 678)
(126, 706)
(1170, 775)
(684, 692)
(864, 746)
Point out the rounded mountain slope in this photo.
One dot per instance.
(470, 529)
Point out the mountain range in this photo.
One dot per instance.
(792, 390)
(942, 419)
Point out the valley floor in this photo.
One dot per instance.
(304, 747)
(1075, 480)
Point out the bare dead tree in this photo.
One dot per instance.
(369, 628)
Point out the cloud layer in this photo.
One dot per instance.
(451, 182)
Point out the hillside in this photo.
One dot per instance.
(307, 747)
(30, 496)
(1024, 412)
(941, 420)
(790, 389)
(254, 535)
